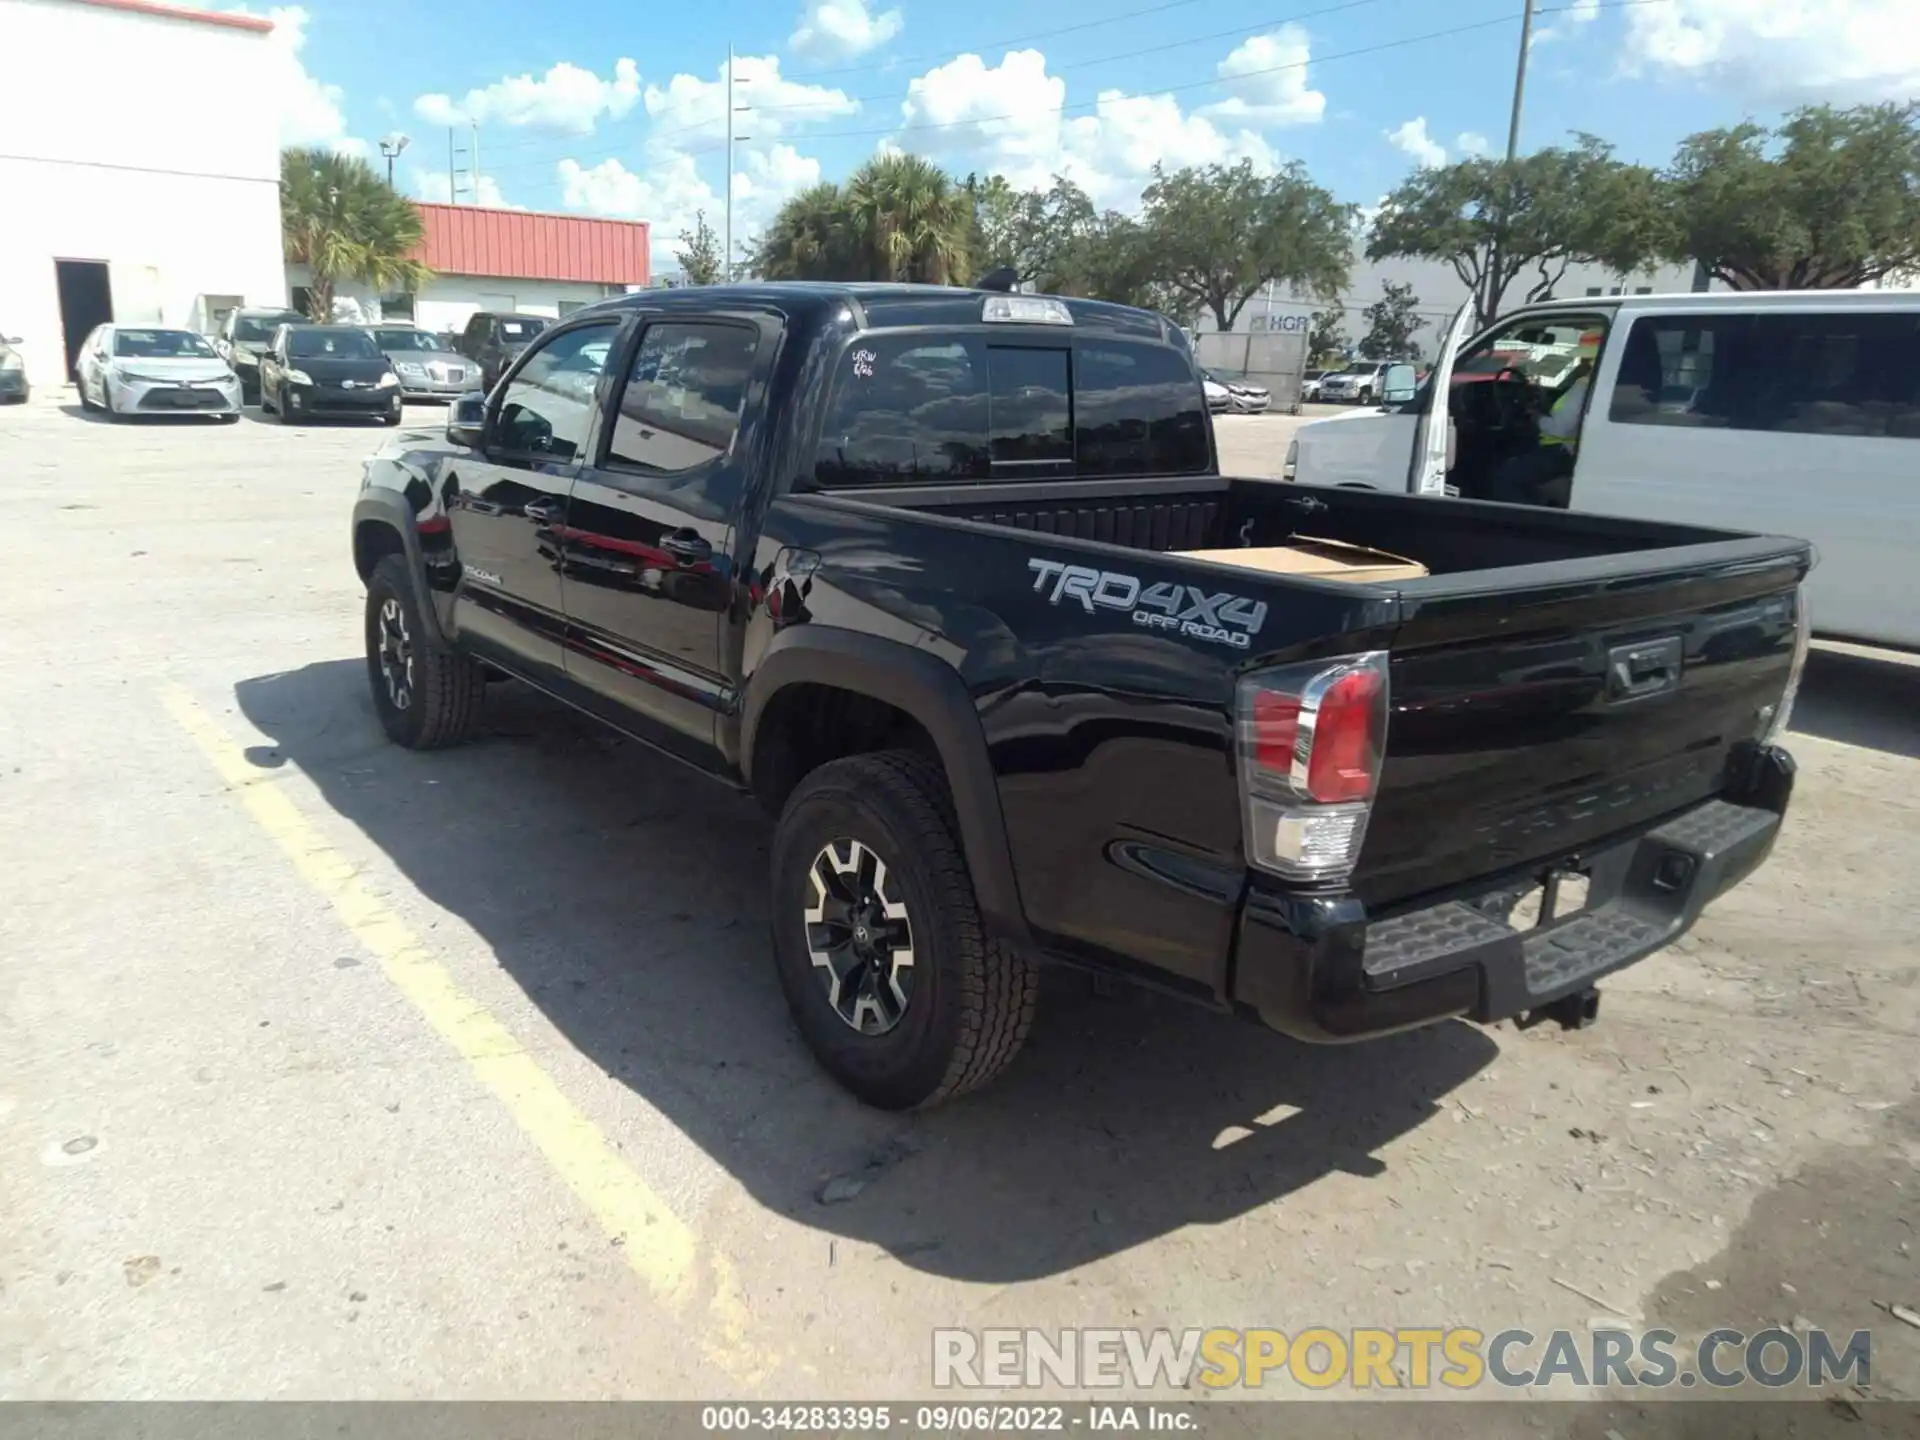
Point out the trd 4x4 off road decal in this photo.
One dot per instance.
(1185, 609)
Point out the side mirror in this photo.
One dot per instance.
(9, 340)
(1397, 387)
(467, 423)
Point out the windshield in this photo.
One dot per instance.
(516, 331)
(161, 345)
(339, 344)
(261, 327)
(406, 340)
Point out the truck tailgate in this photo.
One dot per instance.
(1533, 713)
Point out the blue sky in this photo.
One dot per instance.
(602, 107)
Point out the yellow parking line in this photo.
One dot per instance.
(659, 1247)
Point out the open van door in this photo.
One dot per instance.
(1432, 440)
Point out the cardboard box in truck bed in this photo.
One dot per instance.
(1316, 559)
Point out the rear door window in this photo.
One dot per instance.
(1792, 372)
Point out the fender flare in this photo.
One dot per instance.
(389, 509)
(933, 693)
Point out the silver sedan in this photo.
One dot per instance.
(154, 370)
(427, 371)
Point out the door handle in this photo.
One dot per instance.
(544, 512)
(687, 545)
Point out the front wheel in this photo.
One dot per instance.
(877, 937)
(1366, 397)
(80, 389)
(426, 696)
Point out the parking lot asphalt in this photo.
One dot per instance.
(331, 1070)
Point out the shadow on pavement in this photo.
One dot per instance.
(626, 896)
(144, 417)
(1861, 698)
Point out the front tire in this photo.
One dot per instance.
(878, 942)
(80, 389)
(427, 697)
(1366, 396)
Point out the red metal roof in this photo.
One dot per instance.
(183, 12)
(533, 245)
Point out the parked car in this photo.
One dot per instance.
(1219, 398)
(427, 368)
(1801, 408)
(153, 370)
(948, 579)
(313, 371)
(1242, 397)
(1359, 383)
(1310, 385)
(493, 340)
(243, 335)
(13, 372)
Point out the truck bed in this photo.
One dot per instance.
(1506, 746)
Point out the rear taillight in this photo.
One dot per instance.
(1311, 741)
(1775, 725)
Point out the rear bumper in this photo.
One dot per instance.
(1320, 968)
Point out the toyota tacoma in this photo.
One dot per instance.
(949, 580)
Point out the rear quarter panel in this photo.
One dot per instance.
(1111, 742)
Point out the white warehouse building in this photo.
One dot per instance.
(171, 223)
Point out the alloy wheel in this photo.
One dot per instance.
(396, 654)
(860, 937)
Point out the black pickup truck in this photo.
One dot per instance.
(904, 562)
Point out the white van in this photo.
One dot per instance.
(1787, 412)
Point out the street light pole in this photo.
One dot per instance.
(390, 146)
(1491, 300)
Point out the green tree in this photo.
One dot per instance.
(1391, 323)
(1220, 233)
(1491, 220)
(699, 252)
(339, 219)
(1327, 342)
(910, 221)
(1830, 199)
(1041, 234)
(811, 238)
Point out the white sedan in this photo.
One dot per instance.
(153, 370)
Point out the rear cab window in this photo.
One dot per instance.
(919, 408)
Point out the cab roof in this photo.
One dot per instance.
(878, 305)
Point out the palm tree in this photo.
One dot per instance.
(342, 221)
(810, 239)
(910, 219)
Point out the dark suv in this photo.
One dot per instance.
(494, 339)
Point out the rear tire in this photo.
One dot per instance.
(880, 829)
(427, 697)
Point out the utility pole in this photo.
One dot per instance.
(453, 168)
(726, 269)
(473, 161)
(1491, 301)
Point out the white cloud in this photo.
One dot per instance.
(432, 185)
(842, 29)
(567, 98)
(1007, 119)
(689, 110)
(1412, 139)
(310, 110)
(1266, 81)
(1471, 142)
(1783, 50)
(670, 191)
